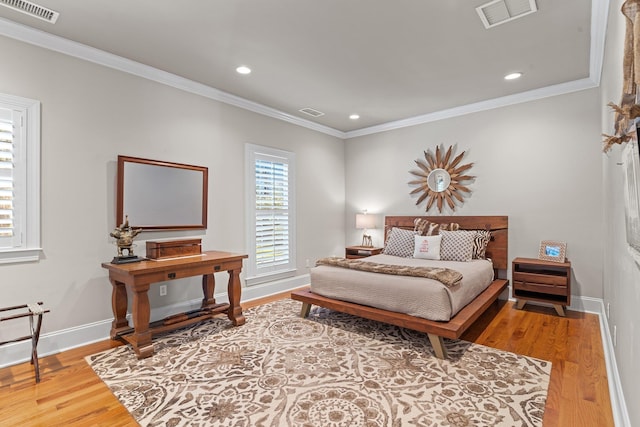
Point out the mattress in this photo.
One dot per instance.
(415, 296)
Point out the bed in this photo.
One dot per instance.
(383, 308)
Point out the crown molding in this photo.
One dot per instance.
(518, 98)
(599, 15)
(78, 50)
(599, 18)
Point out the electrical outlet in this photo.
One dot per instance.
(163, 290)
(307, 263)
(615, 333)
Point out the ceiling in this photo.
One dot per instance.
(391, 62)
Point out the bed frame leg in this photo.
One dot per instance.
(306, 308)
(437, 342)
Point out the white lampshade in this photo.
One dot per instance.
(364, 221)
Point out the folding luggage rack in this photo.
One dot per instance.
(34, 310)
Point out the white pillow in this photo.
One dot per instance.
(427, 247)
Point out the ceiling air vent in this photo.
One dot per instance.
(500, 11)
(31, 9)
(312, 112)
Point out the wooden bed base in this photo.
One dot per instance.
(436, 331)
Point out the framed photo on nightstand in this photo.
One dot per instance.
(552, 251)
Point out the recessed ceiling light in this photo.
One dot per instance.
(243, 69)
(354, 117)
(513, 76)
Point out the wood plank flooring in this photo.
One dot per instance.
(71, 394)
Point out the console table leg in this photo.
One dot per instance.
(119, 306)
(141, 337)
(208, 288)
(233, 290)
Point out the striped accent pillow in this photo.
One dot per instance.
(425, 227)
(480, 242)
(452, 226)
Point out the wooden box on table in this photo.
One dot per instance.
(173, 248)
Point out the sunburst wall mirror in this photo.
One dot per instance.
(440, 179)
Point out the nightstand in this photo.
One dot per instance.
(542, 281)
(353, 252)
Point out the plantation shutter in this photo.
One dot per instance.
(19, 179)
(272, 213)
(7, 182)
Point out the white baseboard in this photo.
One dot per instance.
(618, 404)
(67, 339)
(58, 341)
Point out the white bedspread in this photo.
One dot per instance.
(415, 296)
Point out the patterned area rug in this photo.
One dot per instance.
(331, 370)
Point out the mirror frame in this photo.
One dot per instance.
(121, 189)
(452, 195)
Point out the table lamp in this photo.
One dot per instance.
(363, 222)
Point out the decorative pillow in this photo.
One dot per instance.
(457, 245)
(427, 247)
(400, 242)
(452, 226)
(425, 227)
(480, 242)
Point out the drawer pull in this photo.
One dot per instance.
(216, 268)
(171, 275)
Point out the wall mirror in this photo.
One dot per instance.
(158, 195)
(438, 180)
(441, 179)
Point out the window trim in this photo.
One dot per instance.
(289, 270)
(29, 162)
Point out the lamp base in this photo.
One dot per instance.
(366, 241)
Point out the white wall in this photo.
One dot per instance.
(538, 162)
(90, 114)
(621, 273)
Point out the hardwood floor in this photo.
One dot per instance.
(70, 393)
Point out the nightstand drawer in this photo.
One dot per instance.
(543, 279)
(355, 252)
(541, 288)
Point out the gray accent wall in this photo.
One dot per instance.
(537, 162)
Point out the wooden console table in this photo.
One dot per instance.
(139, 276)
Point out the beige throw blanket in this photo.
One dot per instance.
(445, 276)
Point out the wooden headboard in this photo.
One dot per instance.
(497, 249)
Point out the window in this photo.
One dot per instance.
(270, 213)
(19, 179)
